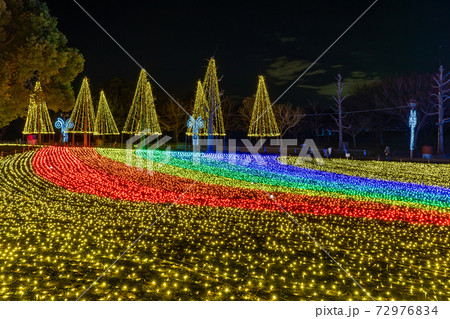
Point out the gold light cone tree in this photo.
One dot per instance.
(142, 116)
(200, 109)
(83, 116)
(214, 121)
(38, 120)
(151, 122)
(263, 122)
(104, 121)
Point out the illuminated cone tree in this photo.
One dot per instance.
(151, 122)
(104, 121)
(142, 118)
(214, 120)
(200, 109)
(83, 116)
(38, 120)
(263, 123)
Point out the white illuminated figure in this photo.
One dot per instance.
(412, 125)
(196, 125)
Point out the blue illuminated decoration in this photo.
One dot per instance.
(196, 125)
(412, 125)
(64, 126)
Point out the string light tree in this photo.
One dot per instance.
(214, 119)
(83, 114)
(263, 122)
(200, 111)
(38, 120)
(104, 124)
(142, 118)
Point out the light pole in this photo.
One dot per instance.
(412, 125)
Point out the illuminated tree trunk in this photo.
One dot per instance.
(442, 95)
(339, 98)
(210, 147)
(440, 123)
(85, 134)
(39, 141)
(441, 135)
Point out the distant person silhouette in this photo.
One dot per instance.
(387, 153)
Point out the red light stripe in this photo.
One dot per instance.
(88, 173)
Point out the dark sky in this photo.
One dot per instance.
(279, 39)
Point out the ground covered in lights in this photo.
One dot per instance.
(238, 229)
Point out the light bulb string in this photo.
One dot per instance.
(136, 240)
(314, 240)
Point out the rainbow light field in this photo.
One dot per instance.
(68, 213)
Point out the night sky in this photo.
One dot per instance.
(173, 41)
